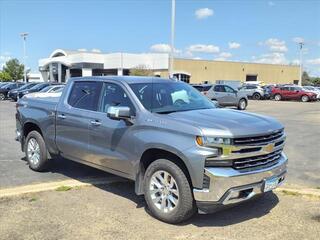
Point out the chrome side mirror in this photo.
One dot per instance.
(118, 113)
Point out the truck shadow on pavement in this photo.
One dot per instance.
(255, 208)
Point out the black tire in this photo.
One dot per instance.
(305, 98)
(2, 97)
(185, 207)
(256, 96)
(277, 97)
(42, 162)
(242, 105)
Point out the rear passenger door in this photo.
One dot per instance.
(73, 117)
(231, 97)
(111, 143)
(220, 94)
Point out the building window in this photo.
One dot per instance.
(251, 78)
(182, 77)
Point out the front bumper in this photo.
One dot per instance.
(229, 186)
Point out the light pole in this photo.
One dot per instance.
(24, 37)
(173, 13)
(300, 52)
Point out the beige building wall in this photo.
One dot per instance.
(204, 70)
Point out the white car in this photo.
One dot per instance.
(50, 91)
(313, 89)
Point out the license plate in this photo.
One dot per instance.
(271, 184)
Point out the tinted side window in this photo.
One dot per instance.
(228, 89)
(114, 95)
(219, 88)
(85, 95)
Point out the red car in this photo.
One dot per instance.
(293, 93)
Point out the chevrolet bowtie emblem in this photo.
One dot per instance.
(269, 147)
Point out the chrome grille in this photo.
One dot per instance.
(259, 140)
(265, 160)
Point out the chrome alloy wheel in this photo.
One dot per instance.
(33, 151)
(164, 191)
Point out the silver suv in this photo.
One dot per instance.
(253, 91)
(227, 96)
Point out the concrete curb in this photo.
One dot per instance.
(49, 186)
(41, 187)
(309, 192)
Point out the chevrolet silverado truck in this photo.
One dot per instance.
(183, 153)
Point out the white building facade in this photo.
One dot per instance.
(63, 64)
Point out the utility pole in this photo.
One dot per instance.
(173, 13)
(300, 52)
(24, 37)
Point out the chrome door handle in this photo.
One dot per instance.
(95, 123)
(62, 116)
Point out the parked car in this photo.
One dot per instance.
(36, 88)
(292, 92)
(182, 152)
(49, 91)
(203, 88)
(227, 96)
(252, 91)
(13, 94)
(6, 88)
(267, 91)
(313, 89)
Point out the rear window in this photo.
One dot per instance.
(85, 95)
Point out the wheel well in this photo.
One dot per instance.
(28, 127)
(153, 154)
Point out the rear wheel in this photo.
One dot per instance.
(36, 151)
(242, 104)
(256, 96)
(2, 97)
(277, 97)
(167, 192)
(304, 98)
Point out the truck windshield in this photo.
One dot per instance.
(170, 97)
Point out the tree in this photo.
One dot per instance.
(305, 78)
(14, 69)
(141, 70)
(4, 76)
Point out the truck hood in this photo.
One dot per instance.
(227, 122)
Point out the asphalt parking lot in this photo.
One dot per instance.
(113, 211)
(301, 120)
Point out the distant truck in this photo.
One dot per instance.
(183, 153)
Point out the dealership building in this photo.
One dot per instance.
(63, 64)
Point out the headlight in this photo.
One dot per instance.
(212, 141)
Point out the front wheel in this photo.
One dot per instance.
(242, 104)
(277, 97)
(304, 98)
(2, 97)
(36, 151)
(167, 192)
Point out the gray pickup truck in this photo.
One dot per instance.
(183, 153)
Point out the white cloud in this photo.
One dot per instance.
(202, 48)
(298, 39)
(82, 50)
(275, 45)
(162, 48)
(95, 50)
(197, 58)
(234, 45)
(203, 13)
(271, 4)
(272, 58)
(220, 59)
(315, 61)
(225, 55)
(4, 58)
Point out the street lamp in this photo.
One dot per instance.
(173, 13)
(300, 52)
(24, 37)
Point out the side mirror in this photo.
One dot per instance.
(118, 113)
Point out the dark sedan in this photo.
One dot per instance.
(13, 94)
(6, 88)
(38, 87)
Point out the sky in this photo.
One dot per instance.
(260, 31)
